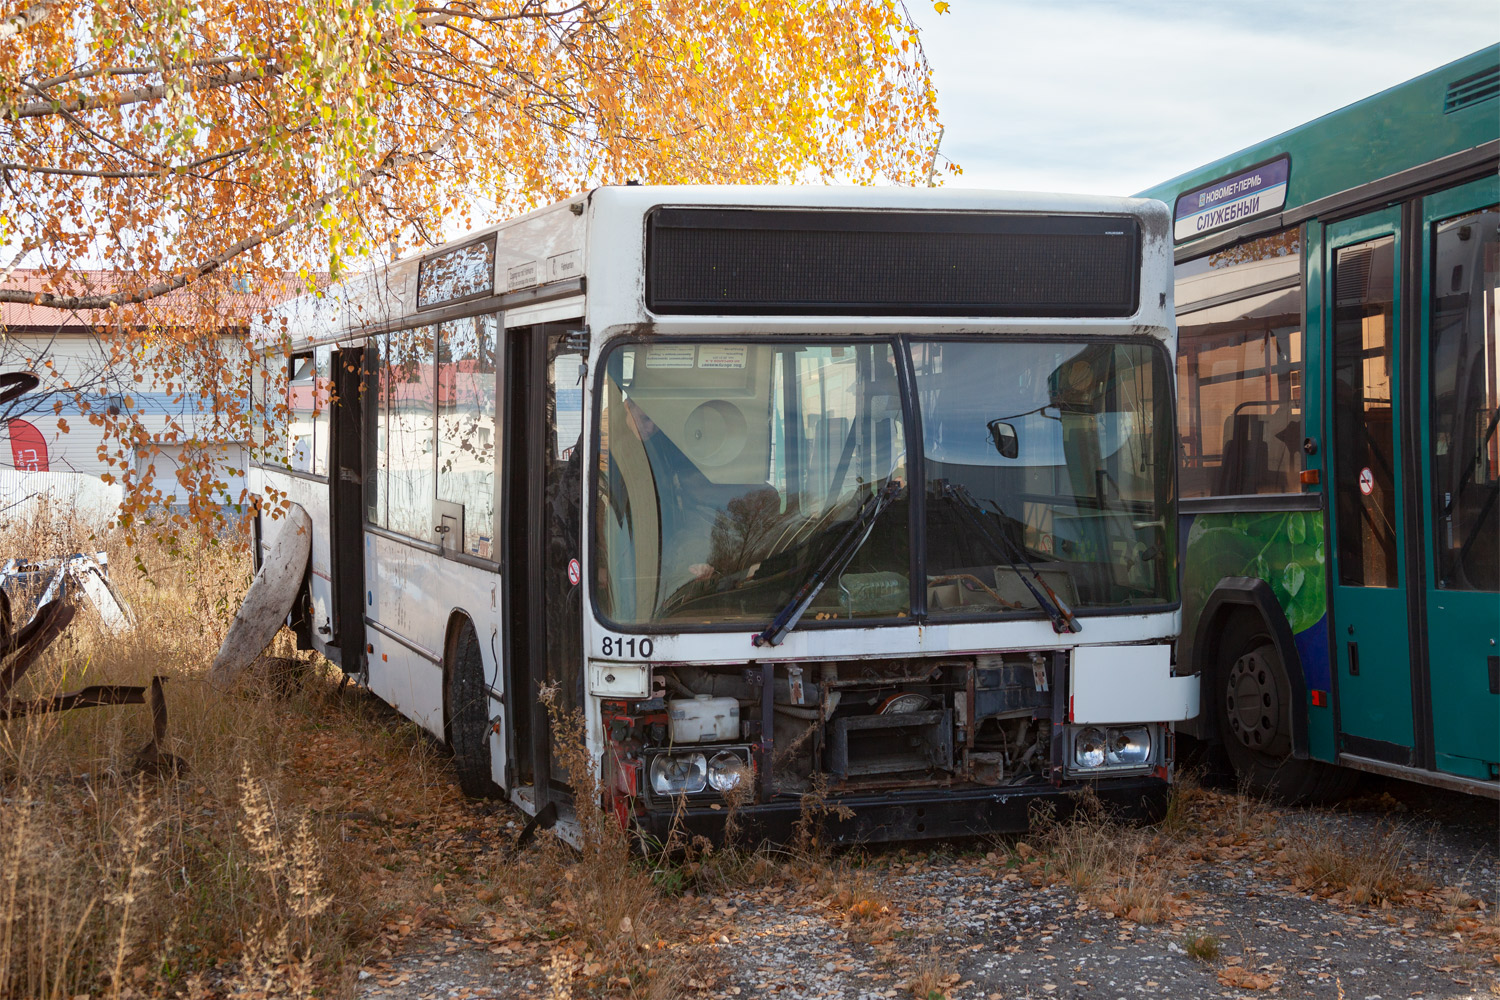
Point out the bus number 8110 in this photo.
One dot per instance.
(628, 648)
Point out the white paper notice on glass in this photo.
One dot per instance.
(671, 355)
(722, 355)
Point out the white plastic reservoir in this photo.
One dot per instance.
(703, 718)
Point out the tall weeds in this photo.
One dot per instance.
(116, 884)
(1125, 869)
(605, 892)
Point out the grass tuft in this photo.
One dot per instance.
(1202, 945)
(1362, 867)
(1122, 868)
(931, 977)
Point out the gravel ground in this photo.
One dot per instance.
(986, 921)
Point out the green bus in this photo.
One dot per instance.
(1338, 401)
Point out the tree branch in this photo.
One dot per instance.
(141, 95)
(17, 23)
(113, 175)
(89, 74)
(393, 160)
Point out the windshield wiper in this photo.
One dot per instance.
(848, 543)
(1061, 616)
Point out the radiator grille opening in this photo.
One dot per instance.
(791, 262)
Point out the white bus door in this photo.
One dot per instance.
(346, 506)
(541, 569)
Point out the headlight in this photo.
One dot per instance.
(1089, 747)
(1129, 747)
(678, 774)
(727, 771)
(1101, 750)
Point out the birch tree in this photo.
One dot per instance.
(188, 150)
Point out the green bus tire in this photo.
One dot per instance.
(1253, 712)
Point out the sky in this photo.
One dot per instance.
(1114, 96)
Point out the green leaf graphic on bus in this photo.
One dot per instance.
(1284, 548)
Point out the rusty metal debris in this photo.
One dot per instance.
(78, 575)
(14, 385)
(68, 578)
(20, 648)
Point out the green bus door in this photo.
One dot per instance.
(1460, 400)
(1367, 592)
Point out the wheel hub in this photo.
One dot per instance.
(1253, 702)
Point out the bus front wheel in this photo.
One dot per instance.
(466, 713)
(1254, 708)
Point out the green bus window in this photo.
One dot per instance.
(1465, 361)
(1239, 368)
(1364, 474)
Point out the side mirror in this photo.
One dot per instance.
(1003, 436)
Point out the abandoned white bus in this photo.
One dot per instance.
(778, 487)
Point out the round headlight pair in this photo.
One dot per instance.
(1126, 746)
(690, 773)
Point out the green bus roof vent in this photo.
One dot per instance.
(1471, 90)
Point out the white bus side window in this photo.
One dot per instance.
(256, 410)
(301, 388)
(377, 441)
(468, 446)
(275, 416)
(411, 433)
(322, 386)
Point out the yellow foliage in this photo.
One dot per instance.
(202, 149)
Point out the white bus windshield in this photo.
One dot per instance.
(727, 472)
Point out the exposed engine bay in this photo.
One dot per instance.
(989, 720)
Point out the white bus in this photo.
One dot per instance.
(870, 490)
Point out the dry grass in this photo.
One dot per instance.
(1361, 867)
(220, 880)
(931, 978)
(1129, 870)
(1122, 868)
(1135, 872)
(305, 819)
(1188, 797)
(858, 897)
(605, 893)
(1202, 945)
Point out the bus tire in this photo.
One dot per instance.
(466, 713)
(1254, 714)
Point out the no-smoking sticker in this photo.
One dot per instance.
(1366, 483)
(575, 572)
